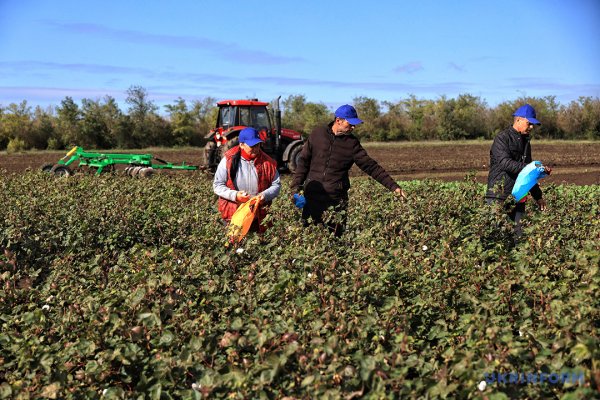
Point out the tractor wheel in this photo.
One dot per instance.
(230, 144)
(294, 158)
(210, 151)
(61, 170)
(47, 167)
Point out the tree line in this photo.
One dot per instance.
(101, 124)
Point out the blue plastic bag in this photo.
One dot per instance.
(299, 200)
(527, 178)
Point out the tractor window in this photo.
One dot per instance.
(245, 117)
(256, 117)
(260, 118)
(225, 117)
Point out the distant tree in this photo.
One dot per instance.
(139, 104)
(93, 129)
(547, 110)
(395, 122)
(3, 138)
(182, 122)
(369, 110)
(580, 119)
(123, 129)
(472, 115)
(314, 114)
(16, 126)
(293, 107)
(68, 123)
(159, 132)
(112, 116)
(423, 117)
(205, 108)
(100, 123)
(429, 127)
(303, 116)
(462, 118)
(205, 116)
(591, 117)
(446, 127)
(43, 128)
(414, 110)
(142, 112)
(500, 117)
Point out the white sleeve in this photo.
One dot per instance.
(220, 182)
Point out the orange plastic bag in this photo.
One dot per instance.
(242, 220)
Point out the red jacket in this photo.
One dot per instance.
(266, 170)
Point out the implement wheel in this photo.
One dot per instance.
(146, 172)
(61, 170)
(47, 167)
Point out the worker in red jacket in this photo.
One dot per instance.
(244, 172)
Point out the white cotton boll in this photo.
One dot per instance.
(520, 332)
(196, 387)
(239, 250)
(45, 307)
(310, 274)
(482, 385)
(425, 248)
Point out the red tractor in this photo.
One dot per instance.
(283, 145)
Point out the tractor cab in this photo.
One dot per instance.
(234, 115)
(243, 113)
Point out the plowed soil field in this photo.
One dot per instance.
(573, 162)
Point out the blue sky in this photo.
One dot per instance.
(328, 51)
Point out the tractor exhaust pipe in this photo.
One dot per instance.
(277, 128)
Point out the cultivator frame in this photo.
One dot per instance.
(137, 164)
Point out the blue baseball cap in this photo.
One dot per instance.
(527, 112)
(348, 113)
(249, 136)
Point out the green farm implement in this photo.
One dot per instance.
(142, 165)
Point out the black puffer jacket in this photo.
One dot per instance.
(324, 163)
(510, 153)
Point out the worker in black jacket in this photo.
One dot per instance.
(322, 171)
(510, 153)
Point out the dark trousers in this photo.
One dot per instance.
(314, 210)
(515, 212)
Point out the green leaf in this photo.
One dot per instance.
(580, 353)
(307, 381)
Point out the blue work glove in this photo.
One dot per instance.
(299, 200)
